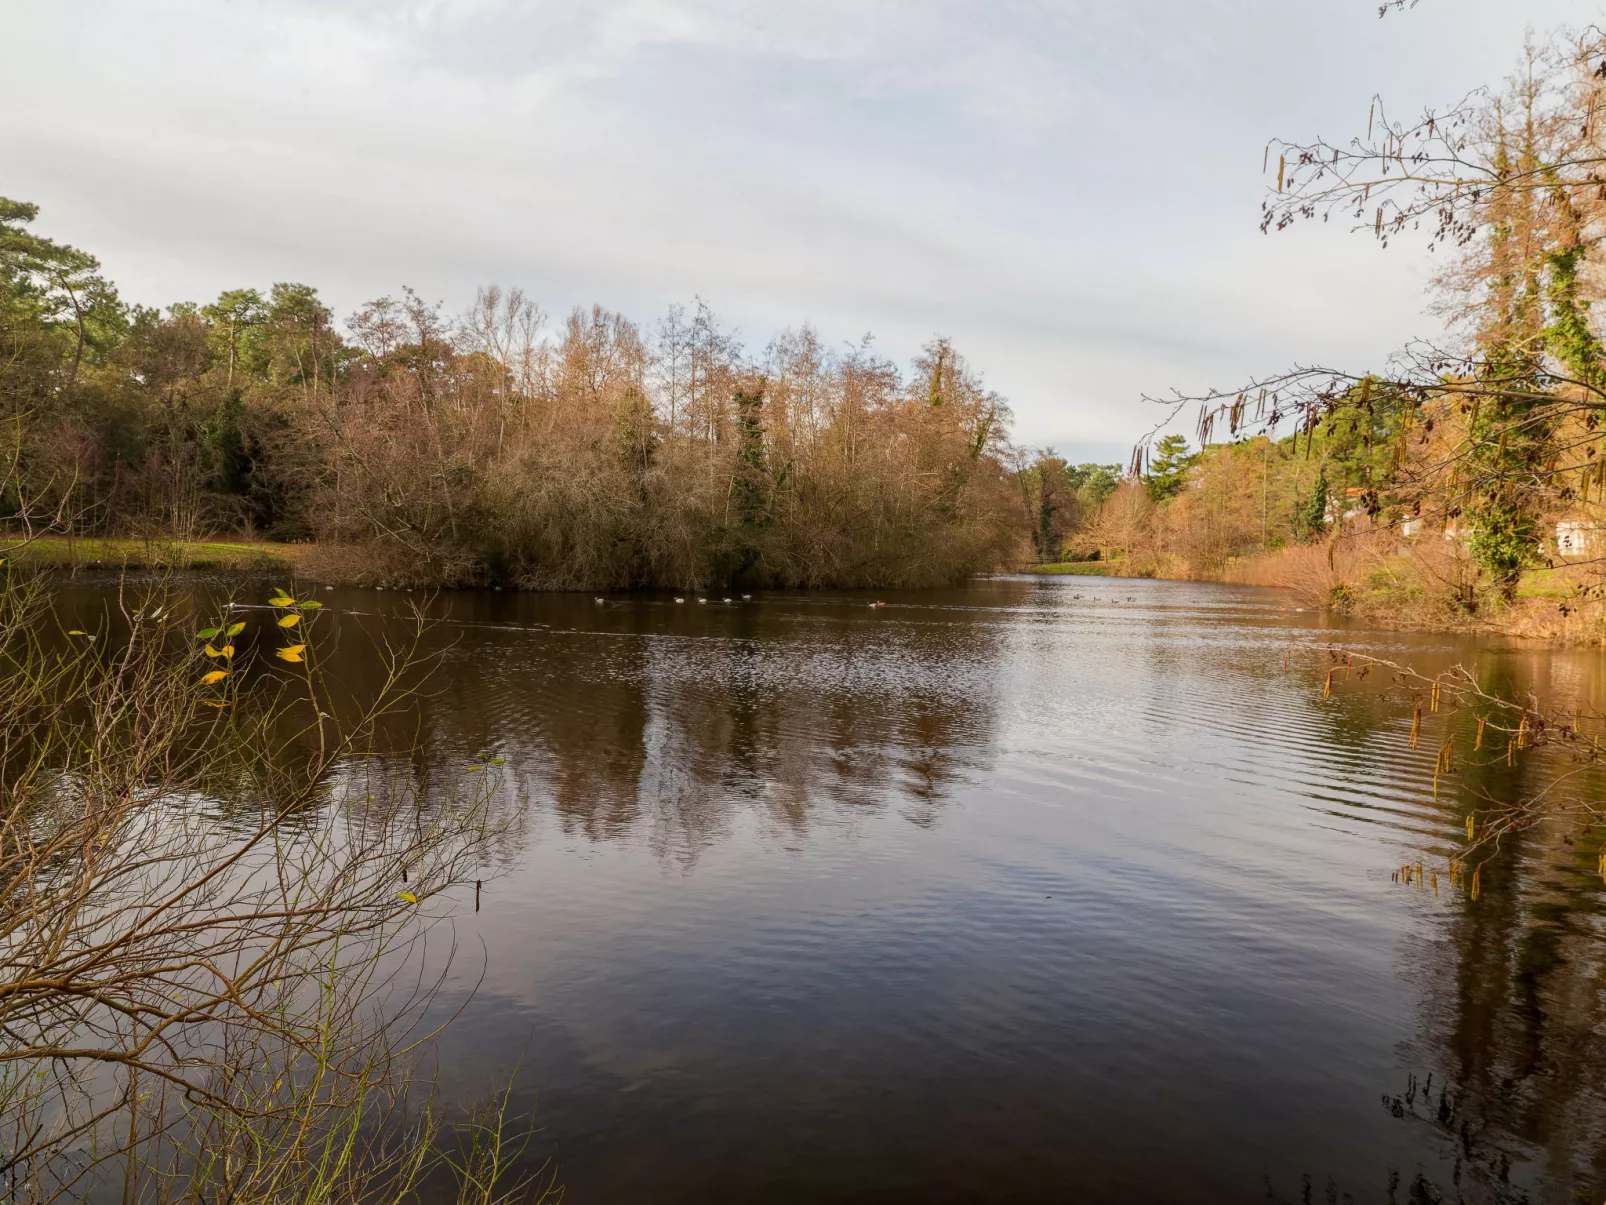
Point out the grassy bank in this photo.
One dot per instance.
(1076, 569)
(1421, 585)
(58, 552)
(1428, 585)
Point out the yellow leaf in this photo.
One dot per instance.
(284, 600)
(293, 653)
(213, 703)
(78, 632)
(216, 675)
(289, 621)
(408, 896)
(226, 651)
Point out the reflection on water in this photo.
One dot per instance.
(1039, 890)
(643, 720)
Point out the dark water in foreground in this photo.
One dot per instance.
(1035, 891)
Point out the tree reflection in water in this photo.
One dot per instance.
(1511, 1096)
(618, 718)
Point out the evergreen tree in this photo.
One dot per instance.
(1169, 468)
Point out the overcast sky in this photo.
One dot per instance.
(1068, 188)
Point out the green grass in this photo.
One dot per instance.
(1079, 568)
(98, 552)
(1548, 584)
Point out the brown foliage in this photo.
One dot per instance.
(598, 462)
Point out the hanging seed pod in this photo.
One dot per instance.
(1435, 703)
(1477, 883)
(1416, 725)
(1472, 827)
(1522, 732)
(1478, 744)
(1327, 686)
(1500, 451)
(1511, 752)
(1282, 164)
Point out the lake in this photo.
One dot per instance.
(1036, 890)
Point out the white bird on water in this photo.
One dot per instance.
(680, 600)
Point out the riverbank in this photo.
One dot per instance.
(1428, 587)
(1076, 569)
(70, 553)
(1403, 592)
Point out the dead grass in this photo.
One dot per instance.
(1430, 584)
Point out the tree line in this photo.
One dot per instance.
(412, 446)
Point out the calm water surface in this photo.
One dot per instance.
(1040, 890)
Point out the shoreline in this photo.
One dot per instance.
(111, 552)
(1547, 608)
(1540, 612)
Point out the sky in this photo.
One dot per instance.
(1069, 190)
